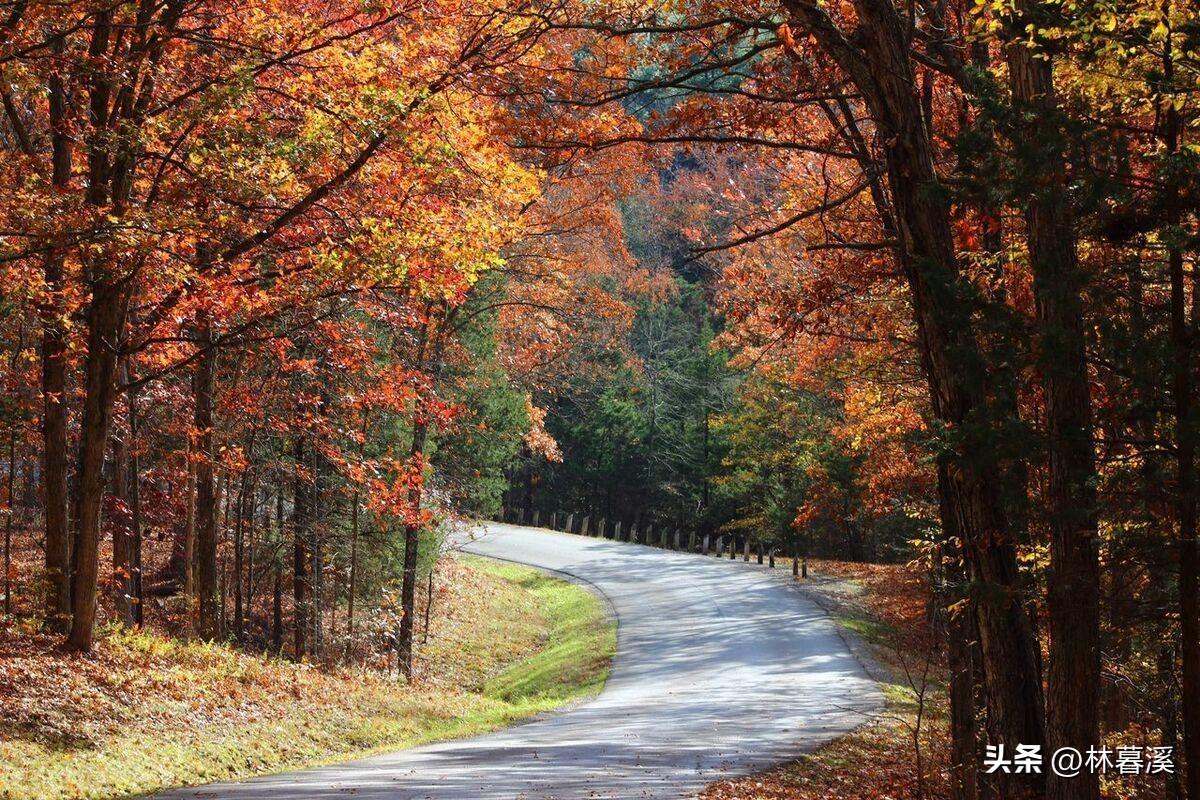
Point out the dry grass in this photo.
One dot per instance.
(144, 712)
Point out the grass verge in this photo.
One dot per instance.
(143, 712)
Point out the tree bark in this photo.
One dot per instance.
(105, 317)
(412, 531)
(1182, 342)
(879, 62)
(135, 512)
(121, 549)
(277, 586)
(54, 380)
(208, 619)
(1073, 583)
(301, 521)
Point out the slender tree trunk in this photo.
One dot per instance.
(353, 587)
(8, 523)
(412, 531)
(121, 549)
(135, 511)
(250, 533)
(208, 602)
(301, 520)
(189, 533)
(105, 315)
(239, 532)
(277, 587)
(412, 543)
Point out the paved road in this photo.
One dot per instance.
(720, 670)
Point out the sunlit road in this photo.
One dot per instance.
(720, 670)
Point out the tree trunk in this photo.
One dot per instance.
(105, 319)
(353, 587)
(412, 531)
(239, 532)
(1182, 333)
(301, 521)
(12, 513)
(208, 620)
(1073, 583)
(54, 381)
(189, 534)
(277, 587)
(878, 60)
(135, 511)
(959, 615)
(122, 559)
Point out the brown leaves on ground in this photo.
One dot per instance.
(873, 763)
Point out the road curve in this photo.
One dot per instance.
(720, 670)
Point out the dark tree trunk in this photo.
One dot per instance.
(301, 522)
(412, 531)
(878, 60)
(122, 559)
(54, 383)
(208, 614)
(1182, 342)
(1073, 583)
(277, 587)
(959, 614)
(135, 512)
(105, 319)
(412, 543)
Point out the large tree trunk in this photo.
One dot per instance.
(54, 463)
(959, 615)
(879, 63)
(208, 605)
(1182, 342)
(54, 374)
(105, 321)
(1073, 583)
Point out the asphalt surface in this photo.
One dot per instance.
(721, 670)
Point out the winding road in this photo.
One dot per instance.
(721, 670)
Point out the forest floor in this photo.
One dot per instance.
(144, 712)
(884, 608)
